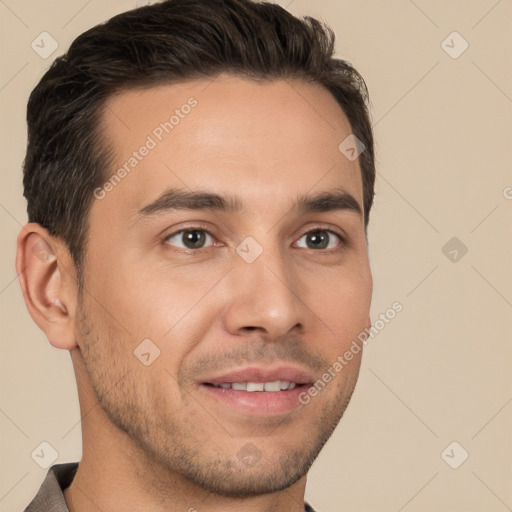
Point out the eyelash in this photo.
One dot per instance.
(204, 249)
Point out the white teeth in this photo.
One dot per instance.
(274, 386)
(255, 386)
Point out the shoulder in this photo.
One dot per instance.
(50, 497)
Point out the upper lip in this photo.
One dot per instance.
(262, 374)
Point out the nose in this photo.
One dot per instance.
(264, 295)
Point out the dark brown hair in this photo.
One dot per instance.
(168, 42)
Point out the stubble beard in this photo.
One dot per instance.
(184, 449)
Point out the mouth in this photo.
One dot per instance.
(258, 391)
(251, 387)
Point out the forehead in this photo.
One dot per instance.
(269, 139)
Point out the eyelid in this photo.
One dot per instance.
(342, 239)
(195, 227)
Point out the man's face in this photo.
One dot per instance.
(271, 292)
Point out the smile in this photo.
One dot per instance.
(273, 387)
(256, 390)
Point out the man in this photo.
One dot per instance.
(199, 178)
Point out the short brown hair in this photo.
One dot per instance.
(167, 42)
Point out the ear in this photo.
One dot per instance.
(48, 281)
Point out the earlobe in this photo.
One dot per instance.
(41, 270)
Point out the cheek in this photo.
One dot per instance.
(141, 301)
(343, 303)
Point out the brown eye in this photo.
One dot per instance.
(189, 238)
(321, 239)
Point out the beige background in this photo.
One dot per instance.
(440, 371)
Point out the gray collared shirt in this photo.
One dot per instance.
(50, 497)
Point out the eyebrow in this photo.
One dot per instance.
(180, 199)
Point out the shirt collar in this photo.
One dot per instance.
(50, 496)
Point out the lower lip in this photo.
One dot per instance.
(258, 403)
